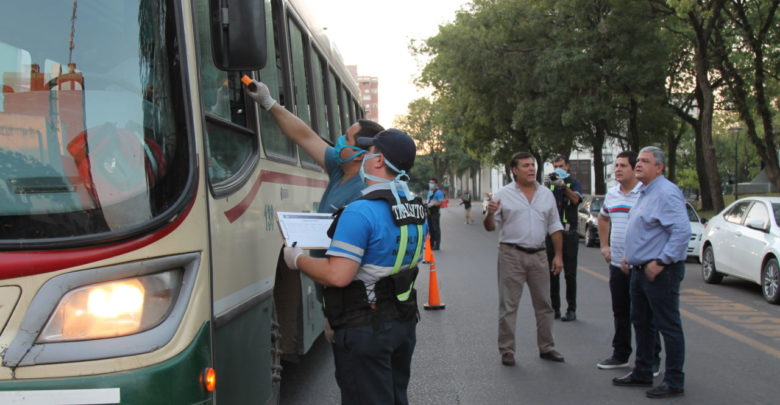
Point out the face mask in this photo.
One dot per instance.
(341, 143)
(398, 182)
(561, 173)
(431, 186)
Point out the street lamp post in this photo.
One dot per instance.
(735, 130)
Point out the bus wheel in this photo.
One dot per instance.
(276, 361)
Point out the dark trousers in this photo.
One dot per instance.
(434, 229)
(571, 244)
(657, 303)
(620, 289)
(373, 362)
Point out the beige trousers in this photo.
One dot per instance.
(515, 269)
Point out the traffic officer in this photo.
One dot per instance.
(434, 201)
(369, 274)
(568, 195)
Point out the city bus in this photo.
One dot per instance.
(139, 184)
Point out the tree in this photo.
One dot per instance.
(746, 55)
(698, 22)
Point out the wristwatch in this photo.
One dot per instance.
(659, 262)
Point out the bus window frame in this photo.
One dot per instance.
(235, 182)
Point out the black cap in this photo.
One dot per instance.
(396, 145)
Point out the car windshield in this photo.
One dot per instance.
(91, 141)
(595, 206)
(692, 216)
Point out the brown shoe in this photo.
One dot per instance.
(508, 359)
(552, 355)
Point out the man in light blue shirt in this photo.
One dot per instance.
(613, 224)
(656, 246)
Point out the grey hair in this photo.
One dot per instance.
(658, 154)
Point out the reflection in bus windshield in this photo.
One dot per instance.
(88, 132)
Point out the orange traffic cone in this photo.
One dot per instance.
(428, 254)
(434, 302)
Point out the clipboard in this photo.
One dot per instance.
(307, 230)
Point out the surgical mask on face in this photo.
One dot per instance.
(341, 143)
(395, 184)
(561, 173)
(431, 186)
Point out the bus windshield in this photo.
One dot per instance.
(92, 140)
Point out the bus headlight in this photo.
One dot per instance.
(114, 308)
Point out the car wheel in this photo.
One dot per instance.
(708, 272)
(770, 281)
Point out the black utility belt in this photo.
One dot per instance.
(523, 248)
(643, 265)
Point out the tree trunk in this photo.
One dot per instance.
(704, 188)
(598, 159)
(634, 142)
(703, 34)
(708, 147)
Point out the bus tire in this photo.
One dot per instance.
(276, 361)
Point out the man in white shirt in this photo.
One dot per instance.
(525, 213)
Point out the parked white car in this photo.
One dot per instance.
(697, 231)
(744, 241)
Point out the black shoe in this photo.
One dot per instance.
(611, 363)
(663, 391)
(570, 316)
(508, 359)
(557, 314)
(629, 381)
(552, 355)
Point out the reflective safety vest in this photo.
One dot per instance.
(396, 298)
(567, 210)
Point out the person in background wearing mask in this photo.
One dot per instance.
(341, 162)
(568, 195)
(369, 275)
(434, 200)
(465, 200)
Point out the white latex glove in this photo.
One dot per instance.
(262, 95)
(559, 183)
(291, 255)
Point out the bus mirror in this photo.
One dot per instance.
(238, 32)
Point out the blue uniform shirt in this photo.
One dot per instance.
(658, 225)
(367, 234)
(337, 195)
(435, 195)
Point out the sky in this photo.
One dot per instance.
(375, 35)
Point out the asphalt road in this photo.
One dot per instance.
(732, 338)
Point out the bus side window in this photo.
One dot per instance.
(276, 145)
(318, 67)
(230, 144)
(344, 107)
(300, 77)
(334, 112)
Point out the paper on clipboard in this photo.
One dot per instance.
(309, 230)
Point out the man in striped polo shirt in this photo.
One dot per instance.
(613, 221)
